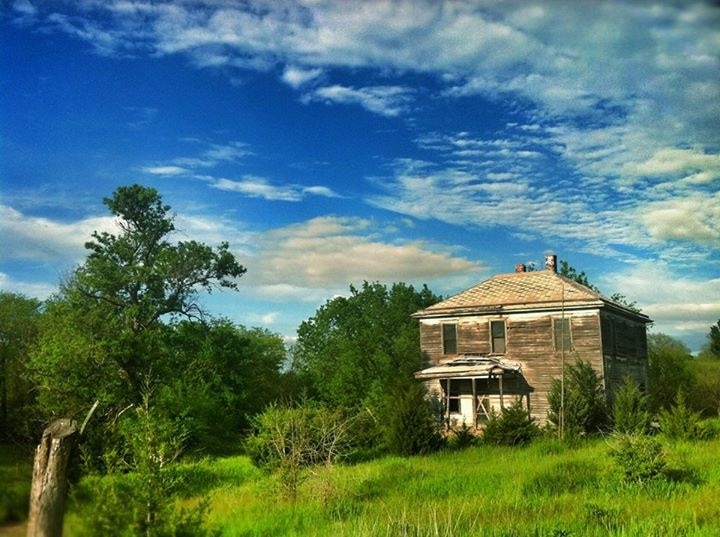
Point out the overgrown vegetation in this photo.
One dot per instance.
(544, 488)
(513, 426)
(577, 405)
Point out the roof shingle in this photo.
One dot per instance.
(536, 288)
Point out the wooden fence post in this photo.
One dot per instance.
(49, 480)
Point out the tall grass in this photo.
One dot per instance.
(545, 489)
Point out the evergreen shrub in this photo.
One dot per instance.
(513, 426)
(641, 458)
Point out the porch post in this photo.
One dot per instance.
(474, 404)
(500, 386)
(447, 404)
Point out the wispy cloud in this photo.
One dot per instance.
(328, 253)
(297, 77)
(387, 101)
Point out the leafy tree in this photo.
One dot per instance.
(224, 375)
(353, 349)
(712, 348)
(705, 394)
(570, 272)
(585, 409)
(669, 363)
(18, 332)
(104, 334)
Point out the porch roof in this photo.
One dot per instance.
(469, 367)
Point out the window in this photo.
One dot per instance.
(561, 334)
(449, 337)
(497, 334)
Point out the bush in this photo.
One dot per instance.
(641, 458)
(290, 439)
(680, 422)
(411, 425)
(463, 437)
(513, 426)
(585, 408)
(630, 414)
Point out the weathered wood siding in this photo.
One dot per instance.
(529, 341)
(624, 344)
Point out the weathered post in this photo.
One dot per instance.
(49, 480)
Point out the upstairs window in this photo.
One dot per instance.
(497, 335)
(561, 334)
(449, 338)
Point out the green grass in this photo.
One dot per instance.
(544, 489)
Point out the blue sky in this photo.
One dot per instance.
(333, 142)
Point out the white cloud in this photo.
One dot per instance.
(45, 240)
(164, 170)
(681, 305)
(387, 101)
(39, 290)
(297, 77)
(259, 187)
(331, 252)
(695, 219)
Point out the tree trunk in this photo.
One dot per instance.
(49, 481)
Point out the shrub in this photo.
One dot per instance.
(641, 458)
(513, 426)
(463, 437)
(629, 409)
(680, 422)
(411, 426)
(585, 410)
(290, 439)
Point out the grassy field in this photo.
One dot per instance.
(545, 489)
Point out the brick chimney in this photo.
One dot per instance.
(520, 267)
(551, 262)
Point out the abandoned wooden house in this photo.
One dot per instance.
(508, 337)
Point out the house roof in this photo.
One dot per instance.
(469, 367)
(521, 291)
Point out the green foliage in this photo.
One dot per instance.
(680, 422)
(112, 325)
(584, 401)
(463, 437)
(18, 333)
(289, 439)
(629, 409)
(219, 376)
(640, 458)
(138, 496)
(354, 348)
(410, 423)
(580, 277)
(669, 363)
(713, 345)
(705, 394)
(512, 427)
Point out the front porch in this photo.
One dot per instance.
(472, 387)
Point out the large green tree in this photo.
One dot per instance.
(224, 375)
(669, 362)
(18, 331)
(354, 348)
(104, 333)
